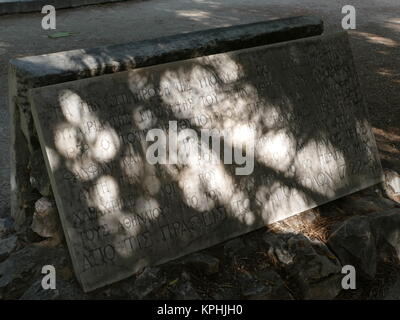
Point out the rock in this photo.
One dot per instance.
(385, 226)
(183, 289)
(7, 246)
(355, 205)
(38, 174)
(361, 239)
(186, 291)
(235, 247)
(265, 285)
(278, 249)
(36, 292)
(393, 293)
(65, 290)
(21, 266)
(312, 269)
(6, 226)
(392, 185)
(202, 262)
(387, 203)
(121, 290)
(392, 180)
(45, 221)
(150, 280)
(354, 244)
(15, 269)
(326, 289)
(225, 293)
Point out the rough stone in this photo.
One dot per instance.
(182, 288)
(312, 269)
(392, 185)
(265, 285)
(354, 243)
(6, 226)
(385, 226)
(393, 292)
(45, 220)
(38, 174)
(361, 240)
(186, 291)
(65, 290)
(7, 246)
(235, 247)
(392, 180)
(20, 267)
(357, 205)
(150, 280)
(386, 204)
(225, 293)
(202, 262)
(278, 249)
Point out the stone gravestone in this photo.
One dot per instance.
(135, 166)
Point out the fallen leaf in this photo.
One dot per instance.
(173, 282)
(60, 35)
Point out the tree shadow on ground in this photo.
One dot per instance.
(376, 49)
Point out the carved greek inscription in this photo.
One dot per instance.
(299, 102)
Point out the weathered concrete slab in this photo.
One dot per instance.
(299, 102)
(38, 71)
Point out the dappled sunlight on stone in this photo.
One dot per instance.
(194, 192)
(137, 82)
(106, 146)
(105, 193)
(146, 211)
(143, 118)
(240, 208)
(241, 133)
(132, 165)
(71, 107)
(66, 140)
(277, 149)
